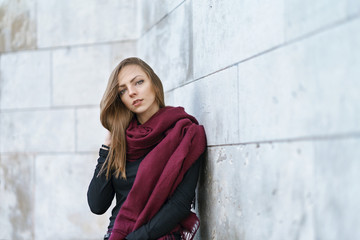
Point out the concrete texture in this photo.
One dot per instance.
(221, 120)
(152, 12)
(17, 25)
(53, 73)
(303, 17)
(61, 183)
(17, 88)
(167, 47)
(275, 84)
(287, 190)
(16, 193)
(77, 79)
(89, 131)
(38, 131)
(304, 89)
(230, 31)
(84, 22)
(267, 180)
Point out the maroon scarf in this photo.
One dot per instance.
(173, 141)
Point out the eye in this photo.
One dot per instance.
(139, 82)
(121, 92)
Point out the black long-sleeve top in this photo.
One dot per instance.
(101, 192)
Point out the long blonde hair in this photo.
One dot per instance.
(115, 117)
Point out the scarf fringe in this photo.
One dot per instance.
(189, 235)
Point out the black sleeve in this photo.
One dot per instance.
(177, 208)
(100, 192)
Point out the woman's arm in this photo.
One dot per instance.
(100, 192)
(177, 208)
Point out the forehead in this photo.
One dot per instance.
(128, 72)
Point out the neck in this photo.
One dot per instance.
(144, 117)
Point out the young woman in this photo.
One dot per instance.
(149, 161)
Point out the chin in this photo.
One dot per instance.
(139, 110)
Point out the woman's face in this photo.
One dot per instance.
(136, 92)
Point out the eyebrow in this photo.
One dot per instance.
(123, 85)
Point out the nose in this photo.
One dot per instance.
(132, 91)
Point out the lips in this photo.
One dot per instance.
(136, 102)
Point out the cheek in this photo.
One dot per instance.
(152, 93)
(126, 101)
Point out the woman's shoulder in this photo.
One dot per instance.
(179, 111)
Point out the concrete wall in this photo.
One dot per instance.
(275, 83)
(56, 57)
